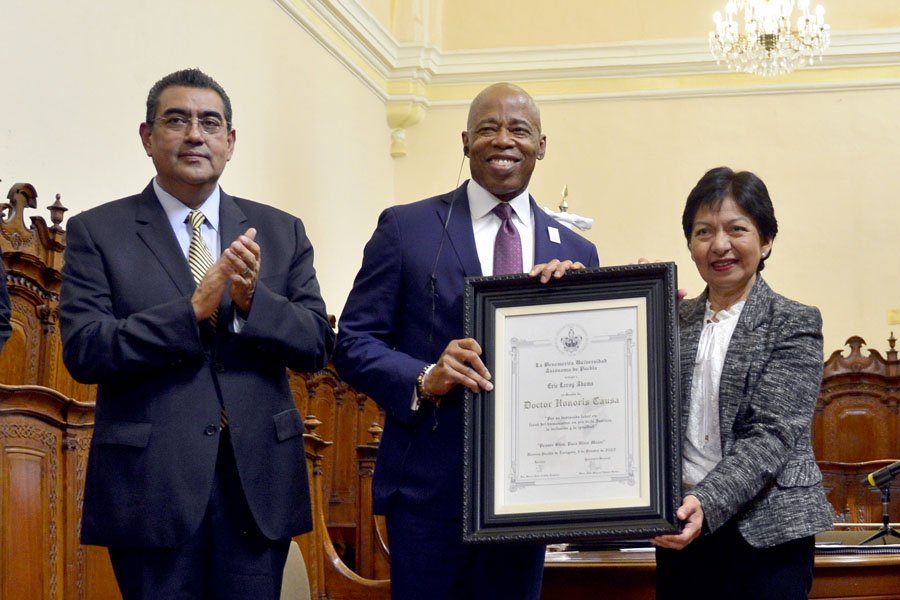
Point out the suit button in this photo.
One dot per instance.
(220, 368)
(210, 430)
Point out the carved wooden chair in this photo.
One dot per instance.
(856, 429)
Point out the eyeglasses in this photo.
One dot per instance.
(179, 123)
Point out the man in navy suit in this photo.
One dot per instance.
(401, 342)
(196, 478)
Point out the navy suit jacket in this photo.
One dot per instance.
(128, 325)
(396, 321)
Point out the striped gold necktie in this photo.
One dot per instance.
(199, 261)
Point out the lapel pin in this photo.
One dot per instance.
(554, 234)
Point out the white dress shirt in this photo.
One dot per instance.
(702, 449)
(486, 224)
(178, 213)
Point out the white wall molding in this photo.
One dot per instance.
(335, 30)
(657, 58)
(709, 92)
(385, 65)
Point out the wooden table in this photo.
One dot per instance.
(598, 575)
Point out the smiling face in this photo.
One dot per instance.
(189, 162)
(504, 140)
(726, 246)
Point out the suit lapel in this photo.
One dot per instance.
(744, 341)
(154, 229)
(459, 230)
(545, 250)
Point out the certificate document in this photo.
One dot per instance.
(579, 439)
(571, 407)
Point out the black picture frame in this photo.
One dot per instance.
(647, 291)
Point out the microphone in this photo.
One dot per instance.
(433, 280)
(882, 476)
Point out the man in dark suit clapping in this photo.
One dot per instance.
(187, 305)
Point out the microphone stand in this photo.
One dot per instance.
(886, 529)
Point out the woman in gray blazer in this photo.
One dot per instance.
(751, 366)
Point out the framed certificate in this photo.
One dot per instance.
(580, 438)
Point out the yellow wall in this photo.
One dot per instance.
(311, 139)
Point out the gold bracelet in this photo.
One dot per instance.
(420, 388)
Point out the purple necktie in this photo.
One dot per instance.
(507, 245)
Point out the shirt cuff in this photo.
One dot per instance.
(238, 322)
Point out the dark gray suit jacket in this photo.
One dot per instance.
(768, 478)
(127, 324)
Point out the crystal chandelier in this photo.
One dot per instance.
(767, 45)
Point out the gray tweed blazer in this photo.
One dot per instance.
(768, 478)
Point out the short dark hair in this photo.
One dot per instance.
(747, 190)
(194, 78)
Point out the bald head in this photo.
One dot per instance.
(497, 90)
(503, 140)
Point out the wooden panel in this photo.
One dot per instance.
(13, 359)
(856, 416)
(846, 419)
(341, 492)
(19, 361)
(24, 524)
(30, 509)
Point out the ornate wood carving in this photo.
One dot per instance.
(373, 555)
(856, 416)
(38, 240)
(32, 257)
